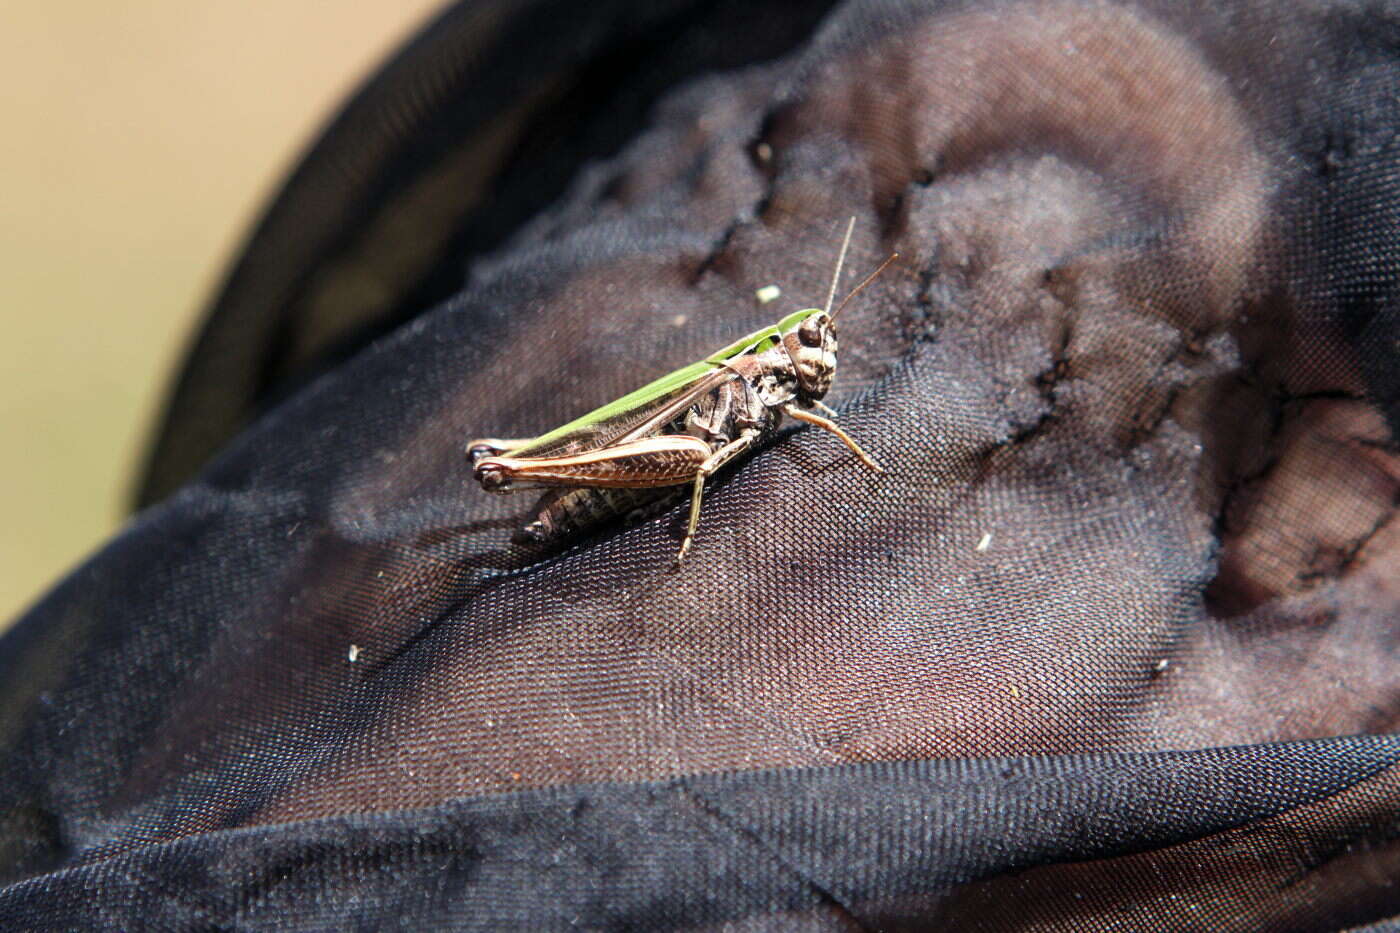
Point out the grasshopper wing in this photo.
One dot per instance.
(648, 409)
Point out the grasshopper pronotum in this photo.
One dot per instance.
(678, 429)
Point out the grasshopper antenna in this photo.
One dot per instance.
(868, 279)
(840, 260)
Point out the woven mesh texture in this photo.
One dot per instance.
(1111, 643)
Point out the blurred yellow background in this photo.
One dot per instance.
(138, 143)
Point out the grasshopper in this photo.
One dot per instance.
(679, 429)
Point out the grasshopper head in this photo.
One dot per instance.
(809, 336)
(811, 345)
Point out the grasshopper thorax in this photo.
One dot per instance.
(811, 345)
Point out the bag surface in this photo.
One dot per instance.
(1112, 643)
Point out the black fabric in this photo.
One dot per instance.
(1110, 644)
(887, 846)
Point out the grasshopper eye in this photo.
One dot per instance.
(810, 332)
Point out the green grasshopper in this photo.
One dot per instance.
(679, 429)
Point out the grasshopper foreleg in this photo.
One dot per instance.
(829, 425)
